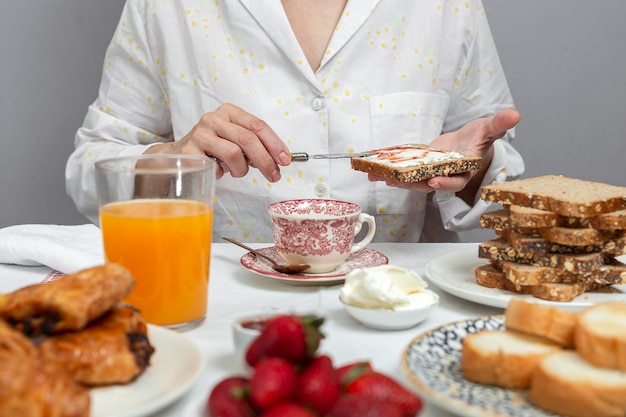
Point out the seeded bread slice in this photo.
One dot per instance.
(521, 216)
(531, 217)
(580, 236)
(488, 276)
(500, 250)
(393, 163)
(530, 275)
(609, 221)
(527, 243)
(524, 243)
(520, 274)
(496, 220)
(491, 276)
(499, 221)
(565, 196)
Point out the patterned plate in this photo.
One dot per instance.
(362, 259)
(432, 362)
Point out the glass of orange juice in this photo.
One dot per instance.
(156, 216)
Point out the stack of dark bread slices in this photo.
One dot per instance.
(557, 237)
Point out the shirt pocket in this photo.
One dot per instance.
(407, 117)
(400, 118)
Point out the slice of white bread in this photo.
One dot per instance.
(566, 384)
(414, 162)
(503, 358)
(600, 335)
(561, 380)
(541, 320)
(565, 196)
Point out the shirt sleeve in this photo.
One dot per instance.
(481, 90)
(456, 214)
(130, 114)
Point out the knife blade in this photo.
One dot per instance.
(303, 156)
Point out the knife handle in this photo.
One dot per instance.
(295, 157)
(299, 157)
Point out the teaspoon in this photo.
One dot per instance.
(285, 269)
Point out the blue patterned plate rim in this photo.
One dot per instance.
(432, 363)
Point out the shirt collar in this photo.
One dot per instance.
(271, 17)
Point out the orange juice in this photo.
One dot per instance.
(166, 244)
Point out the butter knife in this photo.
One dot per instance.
(303, 156)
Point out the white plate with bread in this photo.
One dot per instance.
(560, 240)
(535, 360)
(454, 272)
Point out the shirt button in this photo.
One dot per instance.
(320, 190)
(318, 103)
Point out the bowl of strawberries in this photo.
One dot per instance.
(288, 377)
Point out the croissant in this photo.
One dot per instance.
(114, 349)
(68, 303)
(32, 387)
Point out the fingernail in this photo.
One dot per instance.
(275, 175)
(284, 158)
(435, 185)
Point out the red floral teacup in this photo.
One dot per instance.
(319, 232)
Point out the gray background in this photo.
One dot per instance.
(565, 61)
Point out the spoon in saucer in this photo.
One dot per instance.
(283, 268)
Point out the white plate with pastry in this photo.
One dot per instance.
(175, 365)
(454, 273)
(432, 363)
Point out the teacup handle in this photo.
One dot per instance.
(371, 229)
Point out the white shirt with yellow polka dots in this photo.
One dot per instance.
(395, 71)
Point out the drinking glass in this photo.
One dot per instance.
(156, 216)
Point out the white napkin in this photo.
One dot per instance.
(66, 249)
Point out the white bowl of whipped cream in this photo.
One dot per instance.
(387, 297)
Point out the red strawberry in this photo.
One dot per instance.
(347, 373)
(379, 386)
(358, 405)
(230, 398)
(295, 338)
(273, 380)
(288, 409)
(318, 384)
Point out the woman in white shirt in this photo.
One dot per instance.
(265, 78)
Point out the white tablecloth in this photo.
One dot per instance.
(235, 292)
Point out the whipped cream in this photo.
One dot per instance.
(386, 287)
(402, 156)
